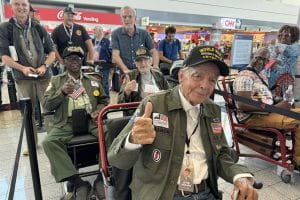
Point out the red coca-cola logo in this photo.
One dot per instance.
(60, 15)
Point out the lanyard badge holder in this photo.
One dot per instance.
(186, 180)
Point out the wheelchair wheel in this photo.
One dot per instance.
(286, 176)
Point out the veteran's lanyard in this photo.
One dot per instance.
(188, 139)
(69, 33)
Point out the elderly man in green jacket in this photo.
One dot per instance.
(179, 131)
(65, 93)
(142, 81)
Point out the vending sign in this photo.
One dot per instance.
(82, 16)
(231, 23)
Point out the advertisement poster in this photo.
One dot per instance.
(241, 50)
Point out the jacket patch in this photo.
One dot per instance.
(156, 155)
(216, 128)
(160, 120)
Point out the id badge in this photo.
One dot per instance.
(186, 179)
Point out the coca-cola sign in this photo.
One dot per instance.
(54, 14)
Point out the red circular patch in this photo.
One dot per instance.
(156, 155)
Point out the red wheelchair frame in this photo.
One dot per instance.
(281, 136)
(103, 153)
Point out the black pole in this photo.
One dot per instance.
(16, 166)
(26, 102)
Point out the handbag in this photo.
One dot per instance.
(80, 122)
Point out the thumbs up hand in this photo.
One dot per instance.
(143, 130)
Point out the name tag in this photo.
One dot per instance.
(151, 88)
(160, 120)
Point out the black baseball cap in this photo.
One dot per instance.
(206, 54)
(73, 50)
(142, 52)
(69, 10)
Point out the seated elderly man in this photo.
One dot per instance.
(65, 94)
(142, 81)
(253, 84)
(175, 141)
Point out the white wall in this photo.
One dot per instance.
(245, 9)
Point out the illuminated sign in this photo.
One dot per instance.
(231, 23)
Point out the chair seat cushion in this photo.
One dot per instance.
(82, 139)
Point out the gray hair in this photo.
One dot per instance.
(11, 1)
(98, 27)
(128, 7)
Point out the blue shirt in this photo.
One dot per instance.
(128, 45)
(170, 50)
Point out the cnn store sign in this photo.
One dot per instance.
(230, 23)
(54, 14)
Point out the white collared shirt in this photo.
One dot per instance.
(197, 152)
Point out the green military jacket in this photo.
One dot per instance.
(160, 81)
(55, 100)
(156, 167)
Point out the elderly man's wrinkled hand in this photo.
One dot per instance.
(143, 130)
(245, 190)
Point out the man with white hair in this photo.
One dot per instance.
(102, 52)
(127, 39)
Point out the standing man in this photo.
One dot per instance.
(127, 39)
(102, 52)
(180, 130)
(26, 47)
(169, 50)
(71, 34)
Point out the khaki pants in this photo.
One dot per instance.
(275, 120)
(32, 89)
(55, 147)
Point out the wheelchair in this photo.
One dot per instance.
(272, 145)
(116, 181)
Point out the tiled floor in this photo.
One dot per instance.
(273, 189)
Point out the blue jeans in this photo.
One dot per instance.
(205, 195)
(105, 72)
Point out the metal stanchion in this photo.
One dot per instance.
(26, 104)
